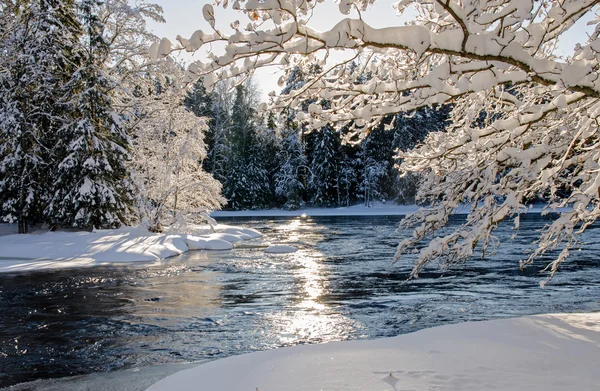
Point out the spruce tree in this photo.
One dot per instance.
(375, 161)
(93, 187)
(39, 55)
(247, 182)
(288, 181)
(324, 182)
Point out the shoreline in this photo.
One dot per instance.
(534, 353)
(549, 352)
(378, 209)
(128, 245)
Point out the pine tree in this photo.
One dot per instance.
(375, 156)
(247, 182)
(288, 182)
(93, 187)
(324, 182)
(39, 56)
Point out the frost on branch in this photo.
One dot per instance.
(525, 119)
(168, 152)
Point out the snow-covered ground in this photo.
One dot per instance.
(537, 353)
(52, 250)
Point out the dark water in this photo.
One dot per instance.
(202, 306)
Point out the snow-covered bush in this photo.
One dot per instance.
(539, 134)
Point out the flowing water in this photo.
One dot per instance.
(207, 305)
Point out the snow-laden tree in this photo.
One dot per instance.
(502, 58)
(247, 183)
(374, 156)
(410, 130)
(167, 160)
(39, 53)
(288, 181)
(127, 36)
(92, 186)
(324, 176)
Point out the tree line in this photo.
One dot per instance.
(272, 161)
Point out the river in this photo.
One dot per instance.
(201, 306)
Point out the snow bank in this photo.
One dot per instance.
(52, 250)
(280, 249)
(538, 353)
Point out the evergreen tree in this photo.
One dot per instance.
(288, 181)
(93, 187)
(247, 182)
(324, 181)
(410, 129)
(375, 156)
(348, 178)
(200, 102)
(39, 55)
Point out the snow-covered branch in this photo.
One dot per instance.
(524, 116)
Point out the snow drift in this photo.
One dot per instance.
(538, 353)
(52, 250)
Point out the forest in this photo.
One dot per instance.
(272, 161)
(96, 134)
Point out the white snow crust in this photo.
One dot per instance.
(53, 250)
(537, 353)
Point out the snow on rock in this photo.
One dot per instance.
(280, 249)
(203, 243)
(537, 353)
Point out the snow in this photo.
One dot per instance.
(202, 243)
(537, 353)
(53, 250)
(280, 249)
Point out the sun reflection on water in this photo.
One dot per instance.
(310, 319)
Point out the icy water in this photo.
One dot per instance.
(203, 306)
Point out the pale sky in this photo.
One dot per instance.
(185, 16)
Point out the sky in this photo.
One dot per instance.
(185, 16)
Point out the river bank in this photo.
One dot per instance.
(57, 250)
(555, 352)
(537, 353)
